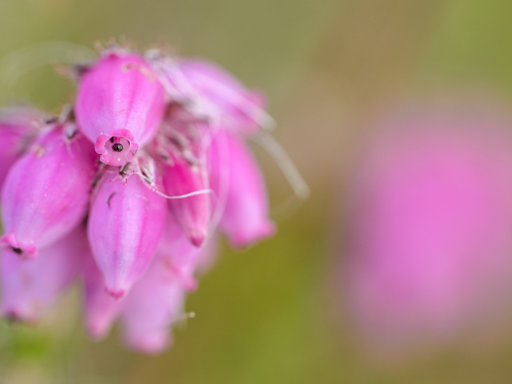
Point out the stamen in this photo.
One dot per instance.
(117, 147)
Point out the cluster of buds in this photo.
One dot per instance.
(127, 190)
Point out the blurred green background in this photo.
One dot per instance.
(271, 314)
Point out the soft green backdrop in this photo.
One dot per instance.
(270, 314)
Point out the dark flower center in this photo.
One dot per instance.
(117, 147)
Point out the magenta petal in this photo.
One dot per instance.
(46, 192)
(101, 309)
(119, 106)
(125, 225)
(31, 286)
(152, 306)
(245, 216)
(191, 213)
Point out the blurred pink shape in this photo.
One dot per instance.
(430, 249)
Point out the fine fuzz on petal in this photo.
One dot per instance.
(119, 106)
(46, 191)
(125, 225)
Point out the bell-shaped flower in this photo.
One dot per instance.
(30, 286)
(156, 301)
(126, 221)
(239, 186)
(151, 307)
(46, 192)
(18, 127)
(119, 105)
(182, 179)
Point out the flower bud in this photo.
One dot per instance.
(46, 192)
(192, 213)
(125, 225)
(119, 106)
(245, 214)
(31, 286)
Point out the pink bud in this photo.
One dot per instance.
(119, 106)
(31, 286)
(125, 225)
(46, 191)
(18, 126)
(245, 215)
(101, 309)
(233, 106)
(192, 213)
(152, 306)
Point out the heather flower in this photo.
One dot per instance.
(47, 190)
(135, 169)
(30, 286)
(126, 221)
(431, 217)
(119, 105)
(235, 174)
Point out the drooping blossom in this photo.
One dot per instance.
(46, 191)
(430, 222)
(245, 214)
(135, 163)
(119, 105)
(126, 221)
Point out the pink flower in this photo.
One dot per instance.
(47, 190)
(30, 286)
(18, 126)
(125, 225)
(239, 186)
(431, 217)
(119, 106)
(148, 208)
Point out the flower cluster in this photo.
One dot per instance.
(127, 189)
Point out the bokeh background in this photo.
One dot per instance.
(276, 313)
